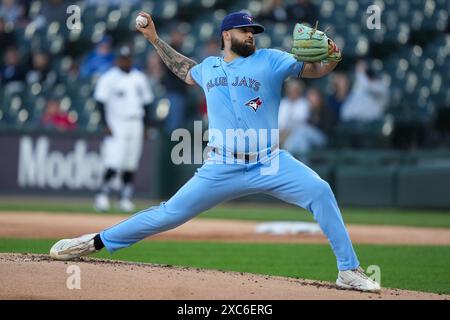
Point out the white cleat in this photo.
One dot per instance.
(101, 202)
(68, 249)
(126, 205)
(356, 280)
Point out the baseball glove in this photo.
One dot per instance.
(312, 45)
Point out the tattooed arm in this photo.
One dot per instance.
(176, 62)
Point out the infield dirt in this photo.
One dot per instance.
(46, 225)
(25, 276)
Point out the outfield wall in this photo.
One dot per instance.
(70, 164)
(49, 163)
(417, 178)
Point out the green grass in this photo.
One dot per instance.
(422, 268)
(268, 212)
(421, 218)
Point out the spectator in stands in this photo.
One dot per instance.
(303, 11)
(176, 90)
(55, 118)
(202, 108)
(73, 72)
(10, 10)
(341, 87)
(210, 48)
(294, 110)
(99, 60)
(274, 11)
(154, 69)
(368, 98)
(13, 70)
(40, 70)
(304, 123)
(25, 5)
(24, 18)
(6, 38)
(322, 119)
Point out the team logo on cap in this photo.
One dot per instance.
(248, 18)
(254, 103)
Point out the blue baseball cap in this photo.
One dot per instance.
(240, 20)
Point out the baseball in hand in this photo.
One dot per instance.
(141, 22)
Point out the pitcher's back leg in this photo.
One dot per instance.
(212, 184)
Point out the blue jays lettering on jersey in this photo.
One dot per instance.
(245, 93)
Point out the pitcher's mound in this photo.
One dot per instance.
(26, 276)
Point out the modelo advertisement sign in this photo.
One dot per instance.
(64, 163)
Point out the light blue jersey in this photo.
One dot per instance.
(244, 93)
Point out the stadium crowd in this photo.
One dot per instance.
(47, 78)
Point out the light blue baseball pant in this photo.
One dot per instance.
(214, 183)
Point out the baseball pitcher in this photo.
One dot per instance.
(243, 91)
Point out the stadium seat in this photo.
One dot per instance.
(60, 90)
(351, 9)
(413, 61)
(327, 9)
(65, 103)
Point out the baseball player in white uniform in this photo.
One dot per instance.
(123, 98)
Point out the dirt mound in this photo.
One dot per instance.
(45, 225)
(25, 276)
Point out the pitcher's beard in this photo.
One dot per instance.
(242, 49)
